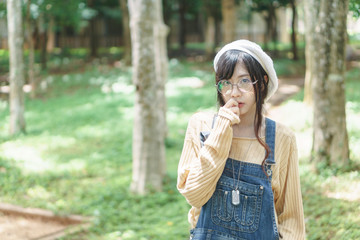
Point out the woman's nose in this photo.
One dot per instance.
(235, 91)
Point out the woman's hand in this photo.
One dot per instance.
(233, 105)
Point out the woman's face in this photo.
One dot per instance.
(246, 96)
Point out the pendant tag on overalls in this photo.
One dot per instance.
(235, 197)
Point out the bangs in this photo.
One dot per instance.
(227, 63)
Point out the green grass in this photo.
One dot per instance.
(76, 155)
(331, 198)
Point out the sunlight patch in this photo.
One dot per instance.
(3, 105)
(293, 108)
(354, 144)
(173, 88)
(173, 115)
(128, 113)
(38, 192)
(73, 165)
(29, 157)
(352, 106)
(352, 121)
(92, 131)
(192, 82)
(304, 143)
(58, 141)
(350, 193)
(117, 88)
(66, 78)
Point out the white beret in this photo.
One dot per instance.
(255, 51)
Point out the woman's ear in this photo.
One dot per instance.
(266, 82)
(266, 79)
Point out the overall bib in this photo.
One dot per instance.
(254, 216)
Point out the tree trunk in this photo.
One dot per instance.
(182, 27)
(250, 31)
(200, 26)
(161, 60)
(42, 41)
(94, 41)
(126, 32)
(330, 144)
(210, 37)
(273, 28)
(31, 64)
(43, 53)
(267, 31)
(293, 30)
(17, 77)
(218, 35)
(229, 20)
(149, 58)
(50, 35)
(311, 11)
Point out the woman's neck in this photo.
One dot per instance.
(246, 127)
(247, 120)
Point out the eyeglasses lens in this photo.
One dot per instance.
(225, 87)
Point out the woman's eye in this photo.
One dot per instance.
(226, 83)
(245, 81)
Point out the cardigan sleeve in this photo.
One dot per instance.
(200, 167)
(289, 205)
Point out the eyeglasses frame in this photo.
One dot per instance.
(232, 86)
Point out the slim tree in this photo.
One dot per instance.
(182, 25)
(228, 8)
(43, 39)
(212, 9)
(330, 145)
(268, 10)
(148, 40)
(126, 31)
(31, 59)
(17, 77)
(94, 41)
(293, 29)
(311, 10)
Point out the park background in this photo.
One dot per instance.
(75, 155)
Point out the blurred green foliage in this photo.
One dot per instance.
(354, 7)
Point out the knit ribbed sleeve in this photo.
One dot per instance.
(200, 168)
(288, 202)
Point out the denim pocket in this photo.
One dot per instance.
(244, 217)
(222, 206)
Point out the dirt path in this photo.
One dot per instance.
(287, 88)
(17, 227)
(17, 223)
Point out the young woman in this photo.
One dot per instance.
(239, 170)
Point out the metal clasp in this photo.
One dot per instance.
(268, 167)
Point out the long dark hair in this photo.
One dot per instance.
(225, 69)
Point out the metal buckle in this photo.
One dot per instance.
(268, 167)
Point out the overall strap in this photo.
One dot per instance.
(270, 140)
(214, 119)
(205, 134)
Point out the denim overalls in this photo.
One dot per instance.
(254, 217)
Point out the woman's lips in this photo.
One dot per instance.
(241, 105)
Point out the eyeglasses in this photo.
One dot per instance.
(244, 85)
